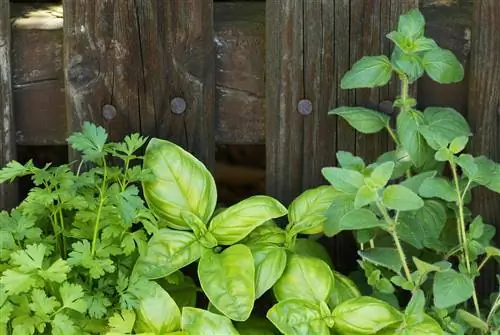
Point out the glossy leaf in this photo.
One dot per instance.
(256, 326)
(442, 126)
(428, 326)
(362, 119)
(347, 181)
(168, 251)
(401, 198)
(311, 275)
(199, 229)
(237, 221)
(307, 212)
(368, 72)
(183, 293)
(198, 321)
(181, 183)
(298, 317)
(309, 247)
(267, 233)
(228, 280)
(158, 313)
(451, 288)
(364, 315)
(270, 262)
(443, 66)
(408, 123)
(343, 290)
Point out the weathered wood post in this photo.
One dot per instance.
(8, 192)
(484, 111)
(143, 66)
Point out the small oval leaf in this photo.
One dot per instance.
(401, 198)
(368, 72)
(362, 119)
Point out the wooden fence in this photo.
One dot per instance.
(201, 73)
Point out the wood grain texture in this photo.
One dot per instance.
(138, 55)
(8, 191)
(284, 89)
(484, 108)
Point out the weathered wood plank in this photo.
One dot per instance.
(137, 56)
(37, 74)
(240, 65)
(8, 192)
(190, 74)
(284, 89)
(484, 112)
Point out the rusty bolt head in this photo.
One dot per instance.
(178, 105)
(109, 112)
(304, 107)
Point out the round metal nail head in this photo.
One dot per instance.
(304, 107)
(178, 105)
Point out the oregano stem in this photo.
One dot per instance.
(99, 209)
(393, 135)
(392, 230)
(483, 263)
(463, 233)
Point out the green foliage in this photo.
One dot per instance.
(84, 254)
(414, 211)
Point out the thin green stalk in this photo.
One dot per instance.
(483, 263)
(102, 197)
(61, 221)
(395, 237)
(463, 233)
(393, 135)
(496, 305)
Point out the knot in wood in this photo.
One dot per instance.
(109, 112)
(178, 105)
(304, 107)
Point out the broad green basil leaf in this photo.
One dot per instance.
(198, 321)
(181, 183)
(267, 233)
(256, 326)
(309, 247)
(423, 227)
(158, 313)
(310, 274)
(168, 251)
(340, 206)
(183, 293)
(364, 315)
(199, 229)
(442, 66)
(442, 126)
(386, 257)
(408, 123)
(347, 181)
(362, 119)
(413, 183)
(380, 175)
(343, 290)
(411, 24)
(298, 317)
(401, 198)
(307, 212)
(365, 196)
(428, 326)
(401, 160)
(237, 221)
(346, 160)
(361, 218)
(438, 188)
(270, 262)
(228, 280)
(451, 288)
(368, 72)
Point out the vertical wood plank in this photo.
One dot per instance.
(126, 60)
(284, 89)
(484, 108)
(320, 88)
(8, 192)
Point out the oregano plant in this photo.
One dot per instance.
(410, 218)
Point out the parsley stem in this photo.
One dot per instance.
(64, 247)
(99, 210)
